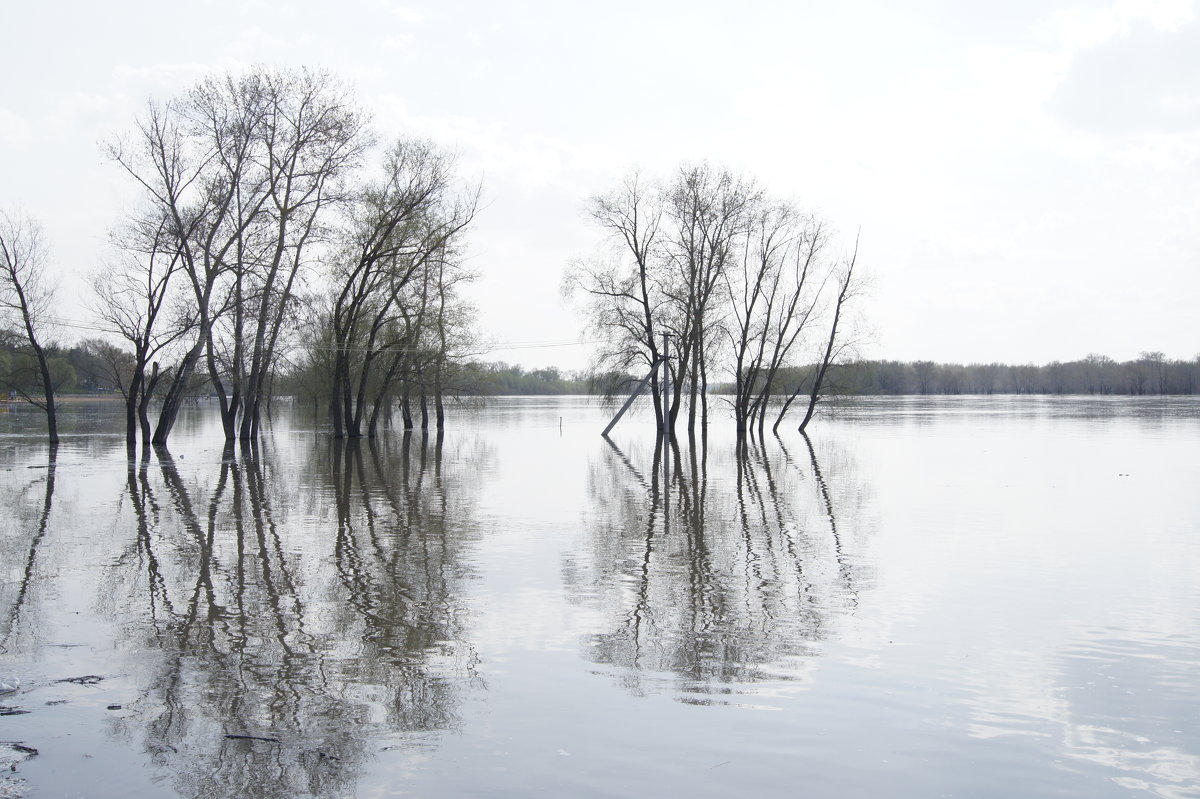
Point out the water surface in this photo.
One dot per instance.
(930, 597)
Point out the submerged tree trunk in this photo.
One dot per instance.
(173, 401)
(143, 407)
(406, 408)
(48, 388)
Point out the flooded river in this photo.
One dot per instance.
(972, 597)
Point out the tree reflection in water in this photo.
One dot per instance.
(314, 638)
(717, 578)
(28, 510)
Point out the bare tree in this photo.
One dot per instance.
(26, 295)
(197, 190)
(311, 135)
(626, 295)
(724, 274)
(709, 210)
(848, 286)
(137, 295)
(240, 169)
(397, 231)
(772, 297)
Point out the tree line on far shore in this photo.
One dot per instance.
(93, 367)
(97, 367)
(1151, 373)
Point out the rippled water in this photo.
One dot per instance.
(931, 597)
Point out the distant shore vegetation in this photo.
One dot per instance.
(1149, 373)
(94, 367)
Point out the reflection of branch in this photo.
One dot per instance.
(726, 586)
(265, 528)
(629, 464)
(30, 559)
(204, 540)
(141, 498)
(229, 611)
(747, 484)
(642, 613)
(843, 567)
(278, 585)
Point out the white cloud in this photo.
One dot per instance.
(402, 12)
(1078, 29)
(15, 130)
(1145, 79)
(78, 107)
(264, 44)
(526, 159)
(168, 75)
(398, 41)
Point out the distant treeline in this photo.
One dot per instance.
(498, 379)
(78, 369)
(90, 366)
(1150, 373)
(93, 366)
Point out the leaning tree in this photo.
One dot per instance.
(26, 295)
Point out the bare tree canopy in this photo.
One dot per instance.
(260, 243)
(391, 317)
(738, 281)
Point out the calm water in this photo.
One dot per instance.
(980, 597)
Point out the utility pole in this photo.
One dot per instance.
(637, 392)
(663, 362)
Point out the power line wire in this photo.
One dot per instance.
(76, 324)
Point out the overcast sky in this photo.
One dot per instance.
(1026, 175)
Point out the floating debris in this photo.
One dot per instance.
(87, 679)
(9, 685)
(17, 746)
(13, 754)
(253, 738)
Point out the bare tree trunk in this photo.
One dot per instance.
(173, 401)
(844, 292)
(692, 386)
(131, 407)
(439, 403)
(48, 388)
(143, 407)
(406, 408)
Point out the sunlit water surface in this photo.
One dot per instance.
(974, 597)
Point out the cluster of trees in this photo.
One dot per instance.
(710, 277)
(84, 367)
(499, 379)
(1149, 373)
(266, 221)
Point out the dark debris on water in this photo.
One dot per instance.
(87, 679)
